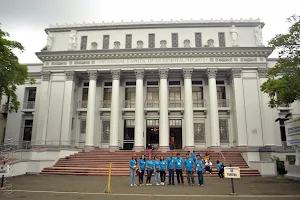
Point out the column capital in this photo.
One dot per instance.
(116, 74)
(236, 72)
(163, 73)
(211, 72)
(262, 72)
(187, 73)
(46, 75)
(71, 76)
(92, 74)
(139, 73)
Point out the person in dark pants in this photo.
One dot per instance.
(179, 165)
(189, 168)
(142, 165)
(199, 165)
(150, 169)
(162, 168)
(171, 165)
(220, 168)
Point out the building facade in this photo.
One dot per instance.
(191, 84)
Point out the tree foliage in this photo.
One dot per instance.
(12, 73)
(283, 83)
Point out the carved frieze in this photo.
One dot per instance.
(116, 74)
(174, 39)
(139, 73)
(59, 63)
(221, 37)
(82, 62)
(128, 44)
(151, 41)
(211, 72)
(46, 75)
(248, 59)
(198, 39)
(262, 72)
(187, 73)
(163, 73)
(93, 74)
(223, 59)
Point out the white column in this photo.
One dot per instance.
(267, 112)
(139, 110)
(115, 110)
(91, 110)
(163, 110)
(213, 108)
(297, 161)
(188, 109)
(239, 112)
(68, 108)
(44, 93)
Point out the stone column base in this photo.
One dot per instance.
(88, 148)
(113, 148)
(138, 148)
(164, 149)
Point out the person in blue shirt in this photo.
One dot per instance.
(194, 156)
(142, 165)
(171, 166)
(179, 165)
(156, 170)
(132, 167)
(162, 169)
(199, 166)
(189, 168)
(150, 169)
(220, 168)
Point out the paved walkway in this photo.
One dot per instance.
(36, 187)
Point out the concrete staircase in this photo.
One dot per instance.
(97, 162)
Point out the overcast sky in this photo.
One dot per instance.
(26, 20)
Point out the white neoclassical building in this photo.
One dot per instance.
(188, 84)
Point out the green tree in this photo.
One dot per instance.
(283, 83)
(12, 73)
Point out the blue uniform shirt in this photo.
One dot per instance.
(199, 165)
(142, 164)
(189, 164)
(132, 163)
(156, 164)
(149, 163)
(219, 166)
(194, 156)
(163, 165)
(171, 162)
(179, 163)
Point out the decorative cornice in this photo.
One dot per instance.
(163, 73)
(116, 74)
(211, 72)
(92, 74)
(139, 73)
(181, 21)
(262, 72)
(46, 75)
(187, 73)
(156, 53)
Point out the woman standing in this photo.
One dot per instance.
(149, 168)
(142, 165)
(132, 165)
(162, 169)
(156, 170)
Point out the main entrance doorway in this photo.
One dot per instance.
(128, 141)
(175, 133)
(152, 132)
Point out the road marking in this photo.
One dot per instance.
(154, 195)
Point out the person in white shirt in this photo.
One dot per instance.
(208, 166)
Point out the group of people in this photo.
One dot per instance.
(159, 166)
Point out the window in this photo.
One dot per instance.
(130, 94)
(198, 39)
(108, 84)
(196, 82)
(105, 41)
(29, 102)
(128, 44)
(85, 94)
(174, 93)
(220, 82)
(221, 39)
(86, 84)
(174, 39)
(197, 93)
(130, 83)
(82, 126)
(174, 82)
(151, 41)
(107, 94)
(27, 132)
(152, 83)
(221, 92)
(31, 93)
(152, 94)
(83, 43)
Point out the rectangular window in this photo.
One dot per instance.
(27, 133)
(221, 39)
(128, 44)
(221, 92)
(82, 126)
(198, 39)
(31, 94)
(220, 82)
(196, 82)
(83, 44)
(174, 93)
(86, 84)
(152, 94)
(107, 94)
(85, 92)
(105, 41)
(107, 83)
(197, 93)
(130, 94)
(152, 83)
(130, 83)
(174, 39)
(151, 41)
(174, 82)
